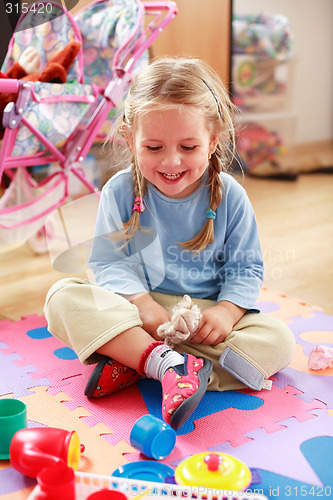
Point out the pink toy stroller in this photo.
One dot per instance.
(53, 123)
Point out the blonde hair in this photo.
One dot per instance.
(169, 82)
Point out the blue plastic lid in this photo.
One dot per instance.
(145, 470)
(163, 444)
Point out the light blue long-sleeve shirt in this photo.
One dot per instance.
(230, 268)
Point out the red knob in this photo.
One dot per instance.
(213, 461)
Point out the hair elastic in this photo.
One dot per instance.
(211, 214)
(138, 205)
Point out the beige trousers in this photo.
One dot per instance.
(85, 316)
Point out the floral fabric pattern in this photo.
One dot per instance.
(57, 109)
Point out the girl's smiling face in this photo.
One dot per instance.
(172, 147)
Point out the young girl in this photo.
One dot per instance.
(173, 223)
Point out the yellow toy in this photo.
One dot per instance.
(213, 470)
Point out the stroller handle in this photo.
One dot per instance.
(9, 85)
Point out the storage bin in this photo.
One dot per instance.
(262, 84)
(265, 139)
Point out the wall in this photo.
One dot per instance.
(193, 32)
(312, 26)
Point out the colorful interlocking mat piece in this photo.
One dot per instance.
(285, 434)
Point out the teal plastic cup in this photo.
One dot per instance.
(13, 417)
(153, 437)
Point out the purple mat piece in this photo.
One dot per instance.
(318, 322)
(23, 382)
(12, 481)
(312, 386)
(280, 451)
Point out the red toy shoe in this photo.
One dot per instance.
(109, 376)
(183, 388)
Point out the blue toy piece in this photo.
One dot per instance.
(145, 470)
(153, 437)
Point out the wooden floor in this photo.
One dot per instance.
(295, 220)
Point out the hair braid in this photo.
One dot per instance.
(206, 235)
(215, 182)
(139, 190)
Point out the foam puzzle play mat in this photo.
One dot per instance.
(282, 437)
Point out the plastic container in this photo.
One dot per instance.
(13, 417)
(266, 137)
(33, 449)
(153, 437)
(106, 494)
(56, 482)
(262, 84)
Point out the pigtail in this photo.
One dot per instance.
(132, 226)
(206, 235)
(122, 152)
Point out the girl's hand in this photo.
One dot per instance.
(151, 313)
(217, 323)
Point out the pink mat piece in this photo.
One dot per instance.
(31, 349)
